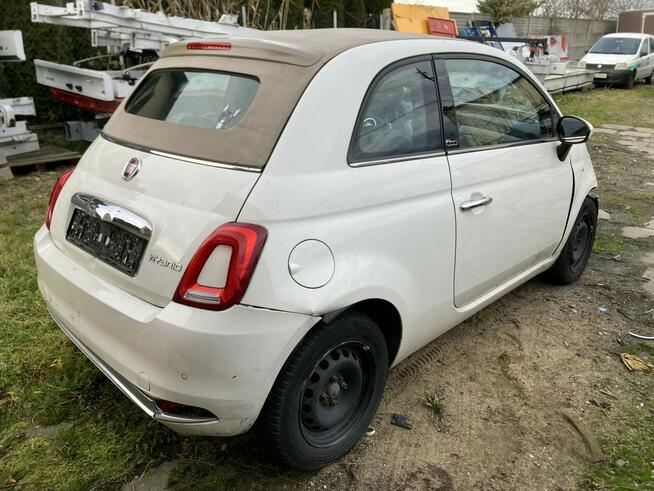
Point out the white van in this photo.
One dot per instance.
(621, 58)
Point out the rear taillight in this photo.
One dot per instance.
(55, 194)
(246, 241)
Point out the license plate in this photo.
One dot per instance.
(601, 75)
(117, 247)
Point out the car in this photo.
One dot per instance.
(621, 58)
(270, 222)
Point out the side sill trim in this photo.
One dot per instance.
(145, 403)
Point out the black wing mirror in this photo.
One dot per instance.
(571, 130)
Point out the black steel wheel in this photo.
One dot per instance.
(575, 253)
(327, 392)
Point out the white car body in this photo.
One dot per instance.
(615, 67)
(389, 237)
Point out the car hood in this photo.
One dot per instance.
(607, 59)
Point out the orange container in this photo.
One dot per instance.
(442, 27)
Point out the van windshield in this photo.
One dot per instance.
(616, 46)
(197, 98)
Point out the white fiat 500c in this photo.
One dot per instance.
(268, 223)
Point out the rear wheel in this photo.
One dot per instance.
(327, 392)
(648, 80)
(575, 254)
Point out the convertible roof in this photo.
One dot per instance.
(284, 62)
(298, 47)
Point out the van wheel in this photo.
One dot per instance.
(629, 84)
(327, 392)
(648, 80)
(574, 256)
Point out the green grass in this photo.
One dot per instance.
(611, 105)
(627, 434)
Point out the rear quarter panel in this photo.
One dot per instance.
(390, 227)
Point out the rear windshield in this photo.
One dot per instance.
(196, 98)
(616, 46)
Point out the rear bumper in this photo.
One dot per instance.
(224, 362)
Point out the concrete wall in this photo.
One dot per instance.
(582, 33)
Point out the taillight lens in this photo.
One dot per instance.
(55, 194)
(246, 241)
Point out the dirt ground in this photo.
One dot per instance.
(505, 375)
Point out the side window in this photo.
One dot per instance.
(494, 104)
(644, 48)
(399, 116)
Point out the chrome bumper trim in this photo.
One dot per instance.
(133, 393)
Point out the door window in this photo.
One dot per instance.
(399, 116)
(494, 104)
(644, 49)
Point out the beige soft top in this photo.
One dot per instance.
(284, 62)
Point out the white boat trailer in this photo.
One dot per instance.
(15, 138)
(560, 76)
(120, 30)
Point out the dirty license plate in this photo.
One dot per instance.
(117, 247)
(601, 75)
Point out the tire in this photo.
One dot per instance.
(327, 392)
(629, 84)
(648, 80)
(574, 256)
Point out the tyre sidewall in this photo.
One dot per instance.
(590, 208)
(347, 329)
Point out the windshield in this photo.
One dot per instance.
(616, 46)
(197, 98)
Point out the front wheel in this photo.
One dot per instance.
(631, 79)
(327, 392)
(648, 80)
(575, 253)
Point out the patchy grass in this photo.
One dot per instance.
(611, 105)
(434, 402)
(627, 434)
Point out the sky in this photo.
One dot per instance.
(452, 5)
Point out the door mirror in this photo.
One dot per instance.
(571, 130)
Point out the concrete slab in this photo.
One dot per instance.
(650, 224)
(637, 232)
(644, 130)
(606, 131)
(648, 258)
(620, 127)
(648, 286)
(636, 134)
(6, 174)
(153, 480)
(603, 215)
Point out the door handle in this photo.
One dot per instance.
(474, 203)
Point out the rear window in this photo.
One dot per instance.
(196, 98)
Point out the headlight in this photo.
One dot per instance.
(621, 66)
(581, 64)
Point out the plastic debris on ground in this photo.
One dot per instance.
(401, 421)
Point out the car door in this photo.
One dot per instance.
(510, 191)
(643, 67)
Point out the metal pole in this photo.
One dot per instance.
(244, 16)
(335, 15)
(381, 21)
